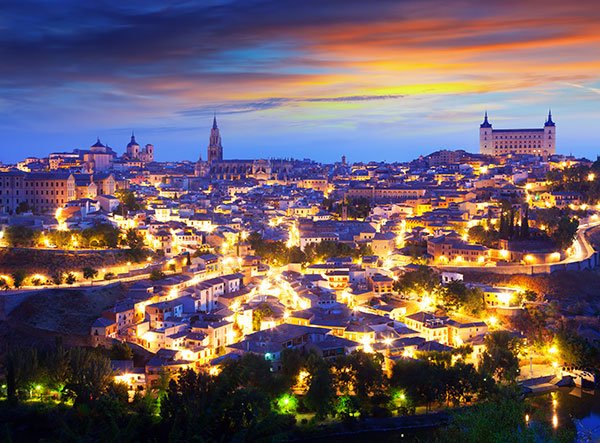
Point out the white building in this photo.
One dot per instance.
(500, 142)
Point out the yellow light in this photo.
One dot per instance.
(366, 341)
(426, 303)
(591, 177)
(503, 253)
(529, 258)
(528, 186)
(493, 321)
(408, 353)
(504, 298)
(481, 259)
(388, 341)
(553, 350)
(554, 364)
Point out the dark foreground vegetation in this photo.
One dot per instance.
(69, 395)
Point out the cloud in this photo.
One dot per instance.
(271, 103)
(98, 64)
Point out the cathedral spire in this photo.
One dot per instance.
(215, 150)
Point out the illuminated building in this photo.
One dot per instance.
(502, 142)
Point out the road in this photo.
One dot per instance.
(582, 250)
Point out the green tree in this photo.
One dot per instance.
(421, 280)
(575, 351)
(120, 351)
(90, 273)
(156, 275)
(321, 394)
(262, 311)
(18, 277)
(23, 207)
(565, 232)
(134, 239)
(70, 278)
(500, 358)
(420, 380)
(90, 374)
(456, 296)
(57, 276)
(22, 372)
(19, 236)
(128, 201)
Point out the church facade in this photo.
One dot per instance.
(503, 142)
(133, 151)
(219, 169)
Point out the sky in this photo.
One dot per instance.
(374, 80)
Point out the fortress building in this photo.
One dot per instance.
(503, 142)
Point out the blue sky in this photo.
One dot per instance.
(389, 80)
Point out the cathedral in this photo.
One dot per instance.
(503, 142)
(133, 151)
(217, 168)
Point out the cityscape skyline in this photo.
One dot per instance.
(289, 79)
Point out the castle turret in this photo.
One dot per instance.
(485, 137)
(549, 146)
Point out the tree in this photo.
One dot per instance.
(321, 394)
(456, 296)
(22, 366)
(134, 239)
(23, 207)
(90, 273)
(90, 374)
(156, 275)
(19, 236)
(422, 280)
(70, 278)
(57, 276)
(525, 222)
(565, 232)
(262, 311)
(18, 277)
(486, 236)
(575, 351)
(500, 358)
(120, 351)
(128, 201)
(420, 379)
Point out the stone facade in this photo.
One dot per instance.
(504, 142)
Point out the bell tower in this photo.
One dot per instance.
(215, 150)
